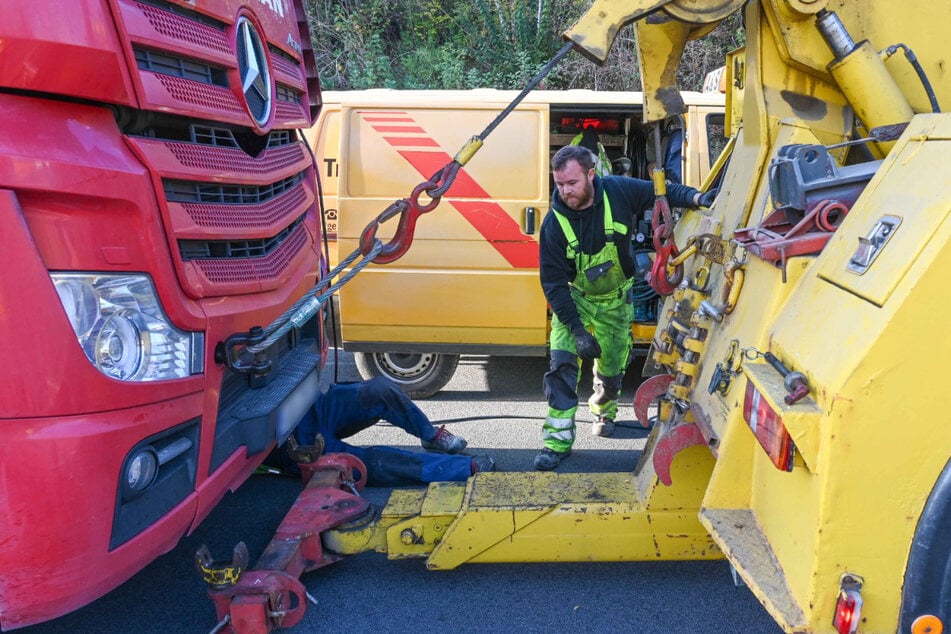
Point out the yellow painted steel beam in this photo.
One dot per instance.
(536, 517)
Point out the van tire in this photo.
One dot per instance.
(419, 375)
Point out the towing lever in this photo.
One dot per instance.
(796, 383)
(270, 596)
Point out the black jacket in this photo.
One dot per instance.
(630, 198)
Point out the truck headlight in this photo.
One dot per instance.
(123, 330)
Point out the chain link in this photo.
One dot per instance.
(307, 306)
(752, 354)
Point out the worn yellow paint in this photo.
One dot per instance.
(869, 448)
(523, 517)
(594, 33)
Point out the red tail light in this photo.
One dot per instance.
(768, 428)
(848, 611)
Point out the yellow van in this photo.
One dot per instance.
(469, 284)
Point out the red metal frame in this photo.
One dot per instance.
(271, 596)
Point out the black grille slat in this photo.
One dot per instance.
(182, 67)
(196, 192)
(279, 138)
(235, 249)
(288, 94)
(217, 137)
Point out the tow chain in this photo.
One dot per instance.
(662, 220)
(246, 352)
(665, 248)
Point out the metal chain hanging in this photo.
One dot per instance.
(246, 352)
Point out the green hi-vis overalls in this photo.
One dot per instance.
(603, 301)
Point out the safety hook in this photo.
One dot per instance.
(659, 279)
(409, 211)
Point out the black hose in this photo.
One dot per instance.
(326, 245)
(913, 60)
(528, 88)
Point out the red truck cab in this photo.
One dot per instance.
(156, 199)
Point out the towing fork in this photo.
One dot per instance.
(270, 596)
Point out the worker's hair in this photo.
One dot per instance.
(583, 155)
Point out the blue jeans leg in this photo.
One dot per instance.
(348, 408)
(391, 466)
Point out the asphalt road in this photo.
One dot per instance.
(497, 404)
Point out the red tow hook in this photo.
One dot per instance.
(409, 210)
(671, 442)
(660, 281)
(271, 596)
(649, 391)
(663, 237)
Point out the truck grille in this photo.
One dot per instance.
(248, 216)
(266, 270)
(176, 66)
(192, 192)
(239, 205)
(205, 249)
(176, 82)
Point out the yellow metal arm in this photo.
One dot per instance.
(660, 40)
(594, 33)
(523, 517)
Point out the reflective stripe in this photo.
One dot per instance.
(558, 434)
(562, 429)
(609, 226)
(559, 423)
(565, 436)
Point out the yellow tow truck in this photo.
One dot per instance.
(799, 365)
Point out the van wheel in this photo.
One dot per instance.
(418, 375)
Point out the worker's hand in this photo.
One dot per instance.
(586, 345)
(706, 198)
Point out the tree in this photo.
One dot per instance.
(479, 43)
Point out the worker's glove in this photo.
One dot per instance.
(585, 343)
(706, 198)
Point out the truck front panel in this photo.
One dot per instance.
(156, 199)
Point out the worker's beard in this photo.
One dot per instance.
(583, 200)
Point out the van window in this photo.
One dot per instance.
(716, 136)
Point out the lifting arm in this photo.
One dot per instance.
(660, 40)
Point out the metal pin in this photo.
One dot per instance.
(222, 624)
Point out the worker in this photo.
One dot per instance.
(586, 269)
(673, 149)
(348, 408)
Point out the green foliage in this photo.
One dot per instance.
(464, 44)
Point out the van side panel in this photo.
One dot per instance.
(324, 138)
(474, 254)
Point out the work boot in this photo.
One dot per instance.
(549, 459)
(445, 442)
(481, 464)
(603, 427)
